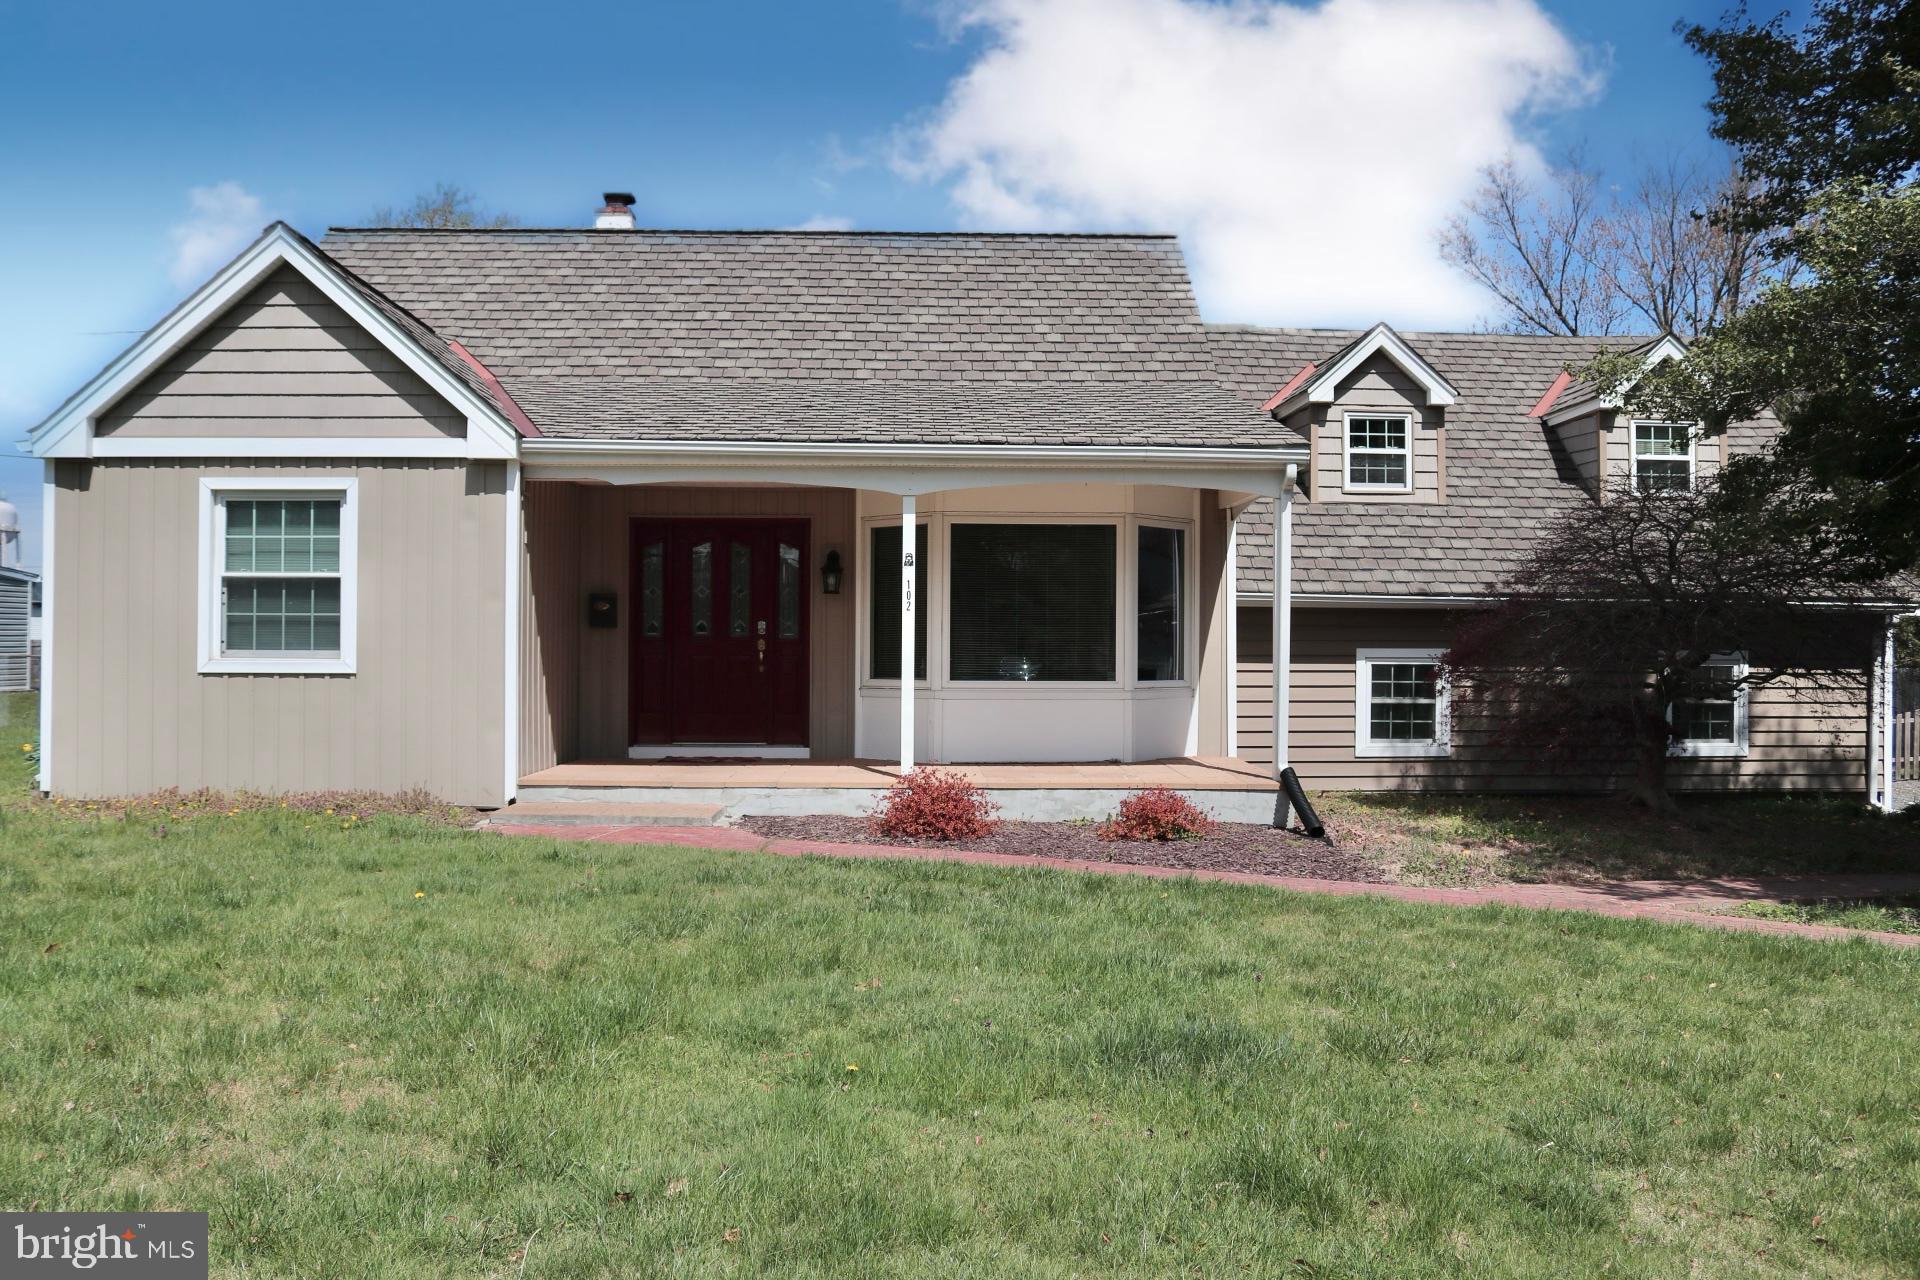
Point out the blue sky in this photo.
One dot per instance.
(923, 114)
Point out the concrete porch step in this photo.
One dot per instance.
(606, 813)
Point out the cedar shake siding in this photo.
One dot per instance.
(1801, 738)
(283, 361)
(424, 708)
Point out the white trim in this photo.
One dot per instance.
(1321, 387)
(909, 591)
(1691, 457)
(280, 447)
(69, 431)
(212, 490)
(49, 489)
(1282, 640)
(1232, 623)
(1714, 750)
(1347, 483)
(1668, 348)
(1365, 746)
(510, 608)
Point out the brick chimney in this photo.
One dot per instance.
(617, 213)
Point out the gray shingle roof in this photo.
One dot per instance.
(834, 336)
(1504, 477)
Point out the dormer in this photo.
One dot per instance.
(1605, 444)
(1373, 414)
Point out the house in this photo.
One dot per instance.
(463, 510)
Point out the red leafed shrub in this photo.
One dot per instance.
(927, 804)
(1157, 814)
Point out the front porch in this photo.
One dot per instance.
(1231, 790)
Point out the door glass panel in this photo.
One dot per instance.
(702, 593)
(789, 592)
(653, 589)
(740, 590)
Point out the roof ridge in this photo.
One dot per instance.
(1213, 327)
(755, 231)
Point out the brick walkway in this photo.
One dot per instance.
(1684, 901)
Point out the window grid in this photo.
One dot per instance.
(280, 577)
(1710, 715)
(1378, 451)
(1662, 456)
(1403, 703)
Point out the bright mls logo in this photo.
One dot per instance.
(146, 1246)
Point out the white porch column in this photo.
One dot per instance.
(1283, 619)
(909, 575)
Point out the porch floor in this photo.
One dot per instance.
(1191, 773)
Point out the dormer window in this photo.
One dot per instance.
(1662, 456)
(1379, 452)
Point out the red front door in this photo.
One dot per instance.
(719, 626)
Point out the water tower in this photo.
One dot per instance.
(9, 534)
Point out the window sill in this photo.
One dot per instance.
(1707, 751)
(1402, 750)
(1376, 488)
(277, 667)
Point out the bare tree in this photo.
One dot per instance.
(1609, 643)
(1578, 260)
(1540, 253)
(446, 206)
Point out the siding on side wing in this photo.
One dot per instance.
(283, 361)
(606, 513)
(1802, 738)
(423, 710)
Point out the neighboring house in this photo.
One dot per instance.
(442, 509)
(17, 587)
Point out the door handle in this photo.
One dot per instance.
(761, 645)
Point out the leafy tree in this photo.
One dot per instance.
(1606, 633)
(1838, 101)
(446, 206)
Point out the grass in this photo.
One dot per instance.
(383, 1048)
(1467, 840)
(1888, 915)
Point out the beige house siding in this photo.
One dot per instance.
(605, 514)
(1378, 385)
(1579, 444)
(1801, 738)
(283, 361)
(424, 709)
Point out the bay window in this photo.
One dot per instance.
(1160, 605)
(1031, 602)
(883, 611)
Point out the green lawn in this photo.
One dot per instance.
(571, 1060)
(1890, 915)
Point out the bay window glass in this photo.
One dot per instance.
(1160, 623)
(1032, 602)
(883, 613)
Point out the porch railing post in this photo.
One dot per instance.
(909, 577)
(1283, 619)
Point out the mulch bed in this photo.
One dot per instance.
(1234, 846)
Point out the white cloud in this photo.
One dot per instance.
(224, 218)
(1308, 156)
(824, 222)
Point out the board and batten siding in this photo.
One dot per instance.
(283, 361)
(423, 710)
(1801, 738)
(605, 514)
(16, 625)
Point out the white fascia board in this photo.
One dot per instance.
(1329, 600)
(1380, 338)
(68, 432)
(906, 468)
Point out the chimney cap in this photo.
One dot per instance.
(618, 199)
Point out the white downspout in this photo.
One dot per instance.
(1233, 633)
(1283, 619)
(1885, 697)
(909, 574)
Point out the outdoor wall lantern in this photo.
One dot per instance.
(830, 574)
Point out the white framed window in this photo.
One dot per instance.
(278, 579)
(1379, 452)
(1712, 719)
(1400, 704)
(1662, 456)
